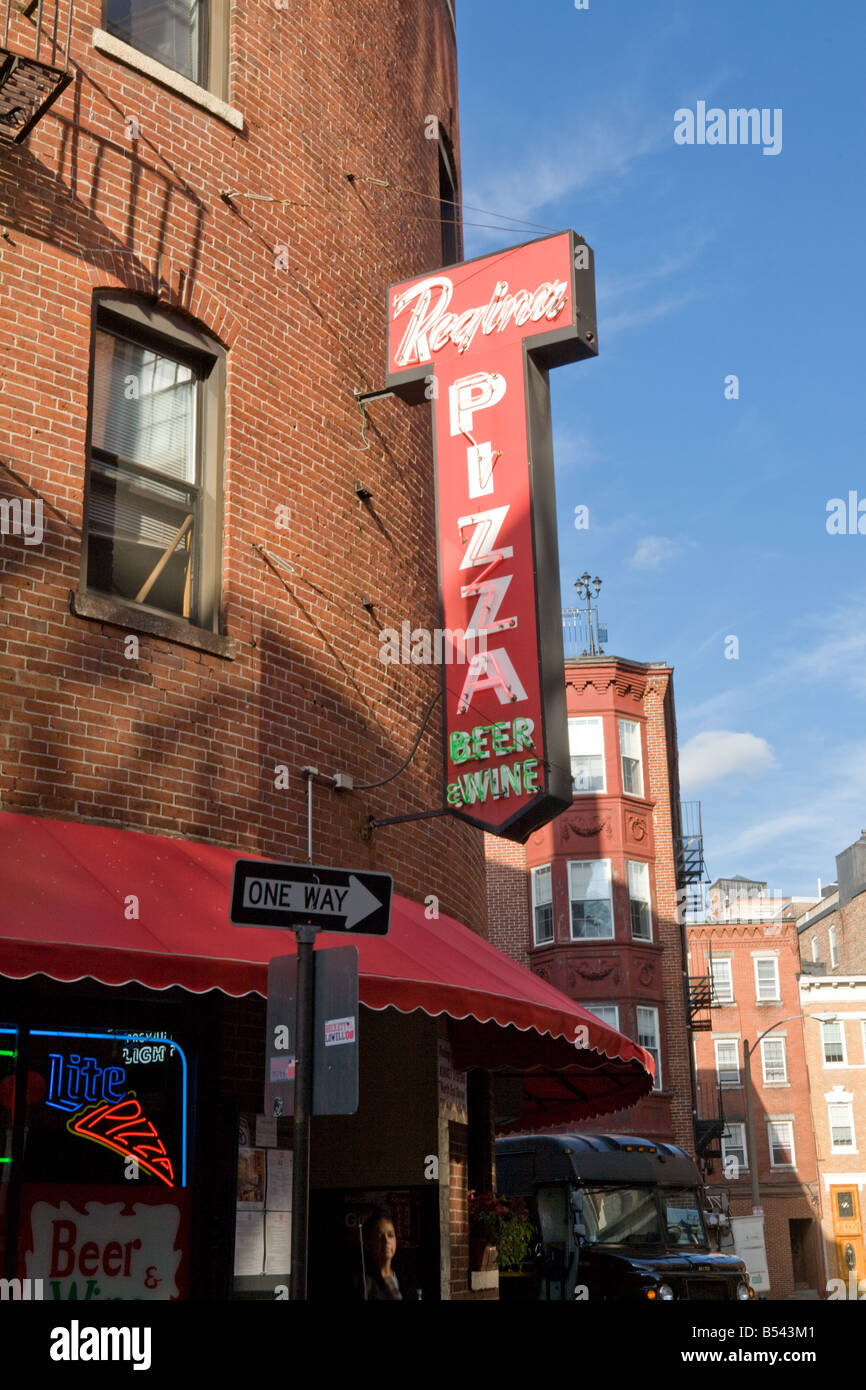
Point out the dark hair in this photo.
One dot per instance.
(372, 1221)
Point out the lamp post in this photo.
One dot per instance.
(582, 586)
(750, 1107)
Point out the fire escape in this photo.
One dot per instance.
(34, 63)
(691, 877)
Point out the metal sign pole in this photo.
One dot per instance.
(306, 937)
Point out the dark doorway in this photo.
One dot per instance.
(803, 1258)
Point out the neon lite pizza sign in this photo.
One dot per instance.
(478, 339)
(102, 1109)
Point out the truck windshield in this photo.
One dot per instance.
(621, 1216)
(683, 1220)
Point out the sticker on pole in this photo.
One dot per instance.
(339, 1030)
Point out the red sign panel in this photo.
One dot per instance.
(477, 340)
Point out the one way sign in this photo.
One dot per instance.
(297, 895)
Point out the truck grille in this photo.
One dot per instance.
(707, 1288)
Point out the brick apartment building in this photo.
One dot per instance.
(591, 902)
(203, 537)
(832, 943)
(833, 931)
(753, 969)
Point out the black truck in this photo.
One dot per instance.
(619, 1218)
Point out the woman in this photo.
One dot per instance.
(380, 1246)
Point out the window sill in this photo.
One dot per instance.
(110, 610)
(776, 1085)
(133, 58)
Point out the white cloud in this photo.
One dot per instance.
(720, 753)
(654, 551)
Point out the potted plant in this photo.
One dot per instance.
(501, 1232)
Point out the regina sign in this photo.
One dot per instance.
(478, 339)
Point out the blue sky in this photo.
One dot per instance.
(707, 516)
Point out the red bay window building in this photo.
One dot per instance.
(590, 903)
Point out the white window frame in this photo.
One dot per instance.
(631, 723)
(834, 948)
(767, 1044)
(727, 1082)
(771, 1121)
(572, 738)
(611, 1009)
(534, 875)
(655, 1049)
(840, 1023)
(775, 998)
(848, 1107)
(814, 949)
(741, 1144)
(633, 899)
(572, 900)
(729, 964)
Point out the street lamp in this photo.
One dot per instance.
(584, 585)
(750, 1114)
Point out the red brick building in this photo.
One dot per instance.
(203, 534)
(591, 904)
(753, 970)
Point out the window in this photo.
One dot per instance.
(632, 763)
(841, 1126)
(767, 979)
(542, 904)
(639, 900)
(734, 1146)
(647, 1021)
(188, 36)
(833, 1040)
(586, 746)
(774, 1061)
(608, 1013)
(448, 203)
(780, 1134)
(591, 909)
(727, 1061)
(722, 978)
(154, 523)
(834, 955)
(814, 948)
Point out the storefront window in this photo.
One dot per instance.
(101, 1198)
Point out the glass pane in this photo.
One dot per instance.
(629, 738)
(590, 879)
(168, 30)
(641, 921)
(541, 885)
(130, 528)
(144, 407)
(544, 923)
(683, 1219)
(587, 774)
(845, 1205)
(621, 1216)
(590, 918)
(638, 881)
(585, 736)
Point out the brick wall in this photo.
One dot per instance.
(181, 741)
(508, 900)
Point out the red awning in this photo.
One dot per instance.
(68, 904)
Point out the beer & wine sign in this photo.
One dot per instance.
(477, 340)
